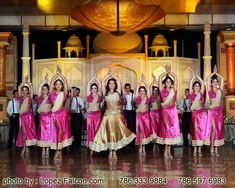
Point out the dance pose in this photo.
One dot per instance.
(215, 126)
(112, 134)
(27, 133)
(169, 132)
(58, 93)
(144, 130)
(94, 115)
(199, 115)
(155, 105)
(45, 128)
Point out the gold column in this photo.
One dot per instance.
(87, 46)
(3, 70)
(146, 46)
(230, 61)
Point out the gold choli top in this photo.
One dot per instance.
(217, 101)
(112, 104)
(142, 107)
(93, 106)
(156, 105)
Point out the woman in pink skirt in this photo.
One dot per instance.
(94, 115)
(27, 135)
(144, 130)
(45, 120)
(199, 115)
(155, 104)
(215, 125)
(62, 135)
(169, 132)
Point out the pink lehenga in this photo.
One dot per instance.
(155, 114)
(199, 120)
(144, 129)
(169, 131)
(94, 117)
(60, 120)
(27, 123)
(215, 118)
(46, 127)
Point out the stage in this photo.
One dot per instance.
(130, 170)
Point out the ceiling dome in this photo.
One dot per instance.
(109, 16)
(159, 40)
(74, 41)
(108, 43)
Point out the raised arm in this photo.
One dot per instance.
(208, 79)
(175, 80)
(221, 81)
(119, 86)
(89, 85)
(106, 77)
(41, 85)
(160, 80)
(20, 89)
(191, 84)
(202, 84)
(146, 86)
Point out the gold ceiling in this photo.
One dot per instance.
(117, 16)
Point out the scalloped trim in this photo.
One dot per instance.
(112, 145)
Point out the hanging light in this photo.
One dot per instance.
(117, 17)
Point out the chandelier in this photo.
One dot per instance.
(117, 17)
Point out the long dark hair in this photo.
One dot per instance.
(142, 87)
(197, 82)
(155, 87)
(58, 80)
(47, 86)
(214, 77)
(27, 87)
(94, 84)
(107, 86)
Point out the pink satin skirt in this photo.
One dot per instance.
(215, 119)
(155, 120)
(45, 129)
(27, 125)
(144, 130)
(61, 134)
(169, 131)
(93, 124)
(198, 127)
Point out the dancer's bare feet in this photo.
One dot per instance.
(47, 152)
(195, 151)
(43, 152)
(199, 151)
(212, 152)
(56, 157)
(27, 152)
(110, 155)
(216, 151)
(23, 151)
(60, 157)
(114, 155)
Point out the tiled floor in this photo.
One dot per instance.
(130, 170)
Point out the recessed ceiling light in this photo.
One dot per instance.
(172, 29)
(228, 29)
(64, 30)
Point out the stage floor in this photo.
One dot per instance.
(130, 170)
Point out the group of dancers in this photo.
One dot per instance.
(153, 107)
